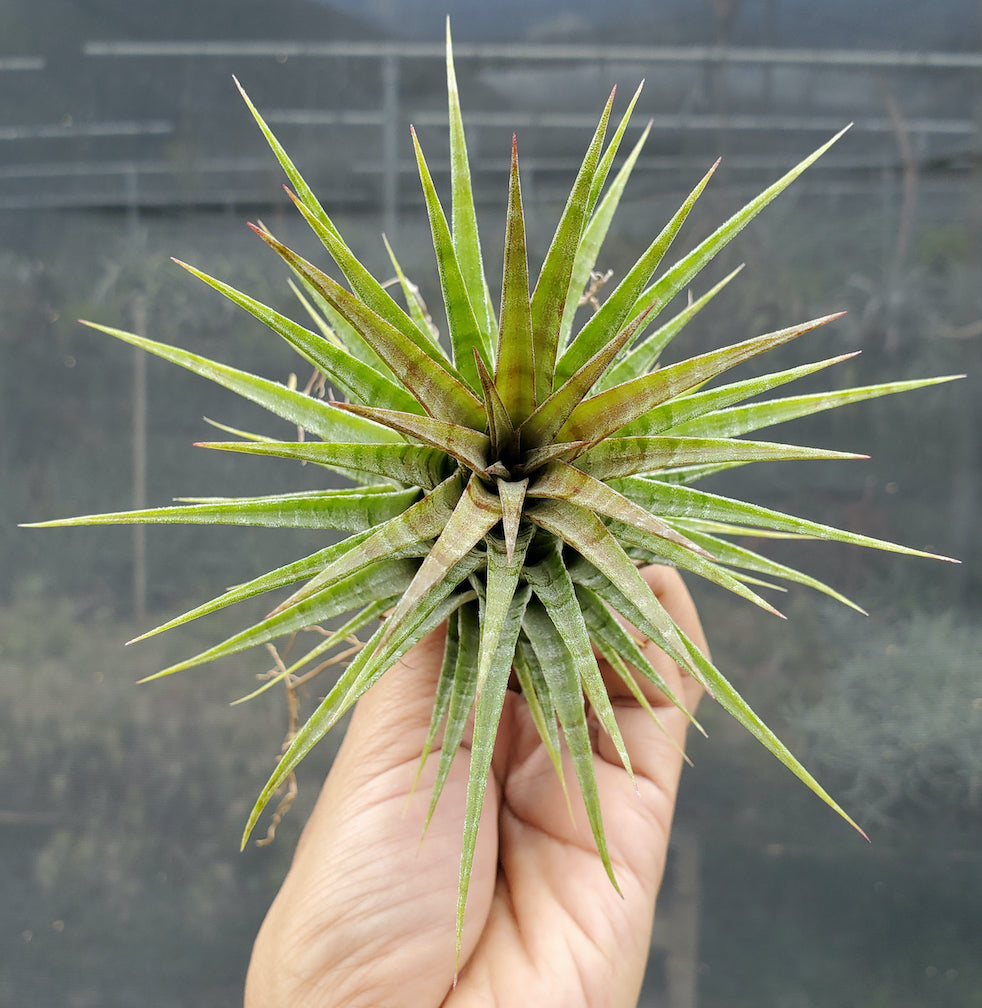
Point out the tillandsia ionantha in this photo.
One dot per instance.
(511, 483)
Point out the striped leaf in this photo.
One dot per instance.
(363, 588)
(678, 277)
(550, 581)
(742, 419)
(438, 389)
(627, 456)
(343, 370)
(413, 465)
(465, 334)
(644, 356)
(552, 289)
(295, 407)
(351, 510)
(617, 310)
(598, 225)
(281, 577)
(487, 714)
(354, 681)
(610, 410)
(468, 446)
(467, 244)
(687, 502)
(514, 374)
(669, 416)
(566, 690)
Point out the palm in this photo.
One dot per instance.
(370, 918)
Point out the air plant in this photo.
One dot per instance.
(511, 482)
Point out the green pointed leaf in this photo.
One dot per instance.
(687, 502)
(541, 427)
(465, 334)
(610, 152)
(584, 531)
(350, 510)
(514, 374)
(466, 242)
(617, 310)
(441, 699)
(551, 583)
(407, 534)
(610, 410)
(599, 220)
(462, 696)
(503, 440)
(468, 446)
(363, 588)
(536, 458)
(739, 556)
(476, 513)
(670, 415)
(690, 559)
(341, 368)
(501, 581)
(355, 680)
(678, 277)
(279, 578)
(295, 407)
(397, 635)
(661, 631)
(613, 642)
(734, 704)
(627, 456)
(438, 389)
(511, 493)
(414, 302)
(342, 635)
(644, 356)
(741, 419)
(362, 282)
(487, 715)
(552, 289)
(536, 694)
(366, 288)
(332, 321)
(296, 179)
(563, 482)
(565, 689)
(316, 316)
(412, 465)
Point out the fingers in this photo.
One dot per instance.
(391, 719)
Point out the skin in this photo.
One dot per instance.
(366, 915)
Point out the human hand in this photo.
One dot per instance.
(366, 915)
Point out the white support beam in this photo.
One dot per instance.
(514, 119)
(18, 63)
(760, 56)
(72, 130)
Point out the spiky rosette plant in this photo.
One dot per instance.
(512, 483)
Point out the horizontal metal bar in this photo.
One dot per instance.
(82, 169)
(667, 122)
(62, 131)
(21, 63)
(112, 199)
(534, 53)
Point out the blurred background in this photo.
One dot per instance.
(123, 142)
